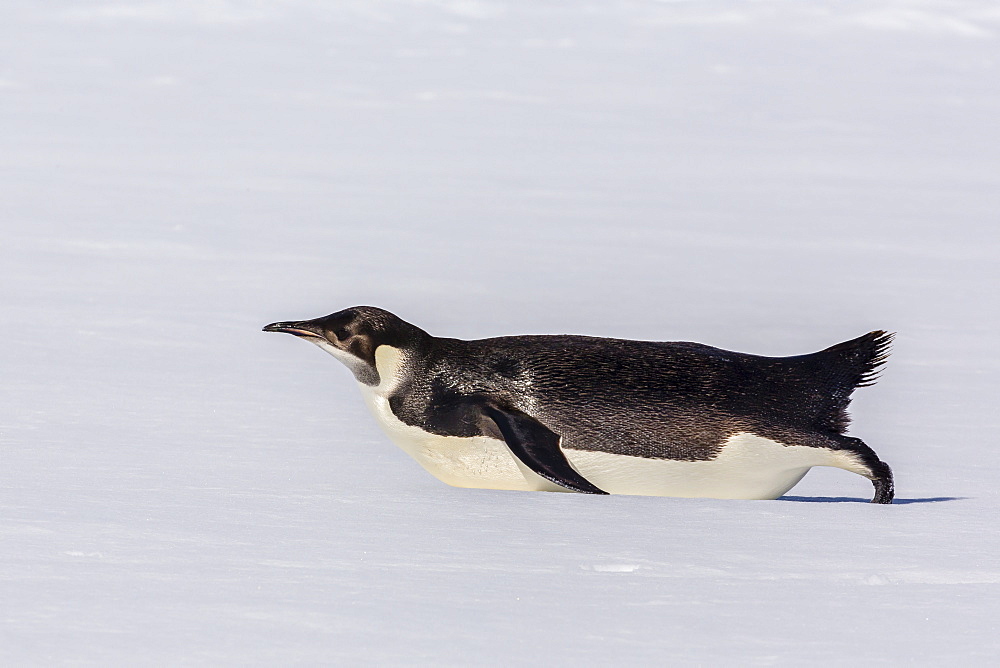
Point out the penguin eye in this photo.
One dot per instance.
(341, 334)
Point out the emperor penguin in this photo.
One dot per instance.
(606, 416)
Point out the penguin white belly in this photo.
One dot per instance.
(479, 461)
(747, 467)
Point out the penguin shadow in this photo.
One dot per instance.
(851, 499)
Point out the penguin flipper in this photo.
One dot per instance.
(538, 448)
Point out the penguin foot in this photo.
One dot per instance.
(884, 488)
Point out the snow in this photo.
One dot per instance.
(772, 177)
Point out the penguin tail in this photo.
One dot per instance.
(845, 367)
(863, 357)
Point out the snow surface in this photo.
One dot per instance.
(177, 487)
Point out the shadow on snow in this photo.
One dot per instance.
(849, 499)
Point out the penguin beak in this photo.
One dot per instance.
(303, 328)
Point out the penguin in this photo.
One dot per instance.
(606, 416)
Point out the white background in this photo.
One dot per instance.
(177, 487)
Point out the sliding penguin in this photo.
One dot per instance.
(606, 416)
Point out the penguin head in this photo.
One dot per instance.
(354, 334)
